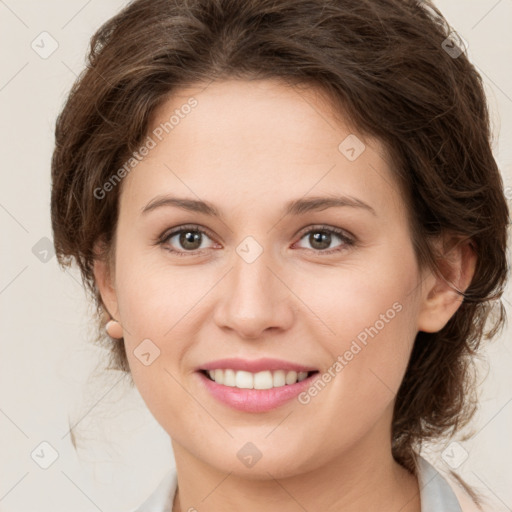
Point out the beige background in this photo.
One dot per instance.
(51, 375)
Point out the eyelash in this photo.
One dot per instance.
(347, 240)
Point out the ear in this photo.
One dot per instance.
(440, 301)
(103, 275)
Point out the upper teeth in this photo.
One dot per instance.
(261, 380)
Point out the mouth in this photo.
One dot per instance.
(266, 379)
(255, 392)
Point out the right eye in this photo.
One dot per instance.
(188, 238)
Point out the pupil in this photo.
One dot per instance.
(189, 238)
(322, 238)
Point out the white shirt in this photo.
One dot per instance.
(436, 494)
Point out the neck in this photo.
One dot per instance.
(366, 477)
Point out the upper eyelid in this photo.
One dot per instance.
(325, 227)
(191, 227)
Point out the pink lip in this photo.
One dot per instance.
(254, 366)
(255, 400)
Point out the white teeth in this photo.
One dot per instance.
(242, 379)
(217, 374)
(291, 377)
(229, 378)
(302, 376)
(261, 380)
(279, 378)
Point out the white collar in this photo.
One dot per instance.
(435, 492)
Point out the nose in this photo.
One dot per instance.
(254, 299)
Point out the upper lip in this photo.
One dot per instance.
(255, 365)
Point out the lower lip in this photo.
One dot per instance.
(255, 400)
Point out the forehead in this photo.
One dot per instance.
(260, 143)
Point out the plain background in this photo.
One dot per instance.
(51, 375)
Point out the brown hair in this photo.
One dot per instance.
(389, 66)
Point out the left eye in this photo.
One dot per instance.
(190, 239)
(321, 238)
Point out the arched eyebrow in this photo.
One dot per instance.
(319, 203)
(295, 207)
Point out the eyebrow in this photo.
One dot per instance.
(295, 207)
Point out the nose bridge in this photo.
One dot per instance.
(254, 299)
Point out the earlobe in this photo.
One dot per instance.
(440, 298)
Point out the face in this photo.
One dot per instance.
(268, 271)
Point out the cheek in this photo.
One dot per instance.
(159, 305)
(372, 312)
(367, 301)
(155, 297)
(367, 360)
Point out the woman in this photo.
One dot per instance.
(290, 216)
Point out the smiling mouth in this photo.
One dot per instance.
(266, 379)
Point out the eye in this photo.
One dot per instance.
(188, 239)
(321, 237)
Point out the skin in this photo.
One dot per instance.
(248, 148)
